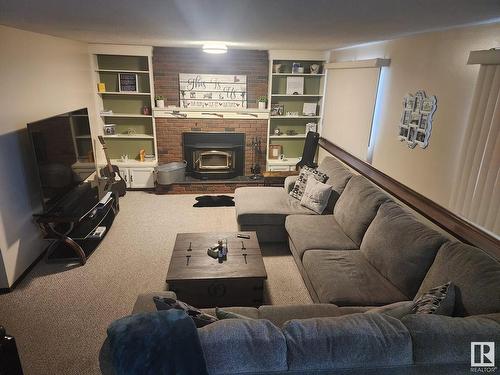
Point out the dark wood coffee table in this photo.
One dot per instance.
(202, 281)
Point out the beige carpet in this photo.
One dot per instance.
(59, 316)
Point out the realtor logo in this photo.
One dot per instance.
(482, 354)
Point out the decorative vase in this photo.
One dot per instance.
(262, 105)
(160, 103)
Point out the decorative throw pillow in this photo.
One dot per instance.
(200, 319)
(224, 314)
(316, 195)
(439, 300)
(300, 184)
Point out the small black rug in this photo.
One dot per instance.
(214, 201)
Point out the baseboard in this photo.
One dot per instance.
(23, 275)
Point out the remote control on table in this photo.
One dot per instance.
(246, 236)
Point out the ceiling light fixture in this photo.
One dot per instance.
(216, 48)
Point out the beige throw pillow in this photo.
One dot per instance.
(316, 195)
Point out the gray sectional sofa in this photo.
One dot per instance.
(363, 261)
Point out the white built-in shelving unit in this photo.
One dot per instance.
(134, 130)
(314, 85)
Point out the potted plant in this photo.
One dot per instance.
(160, 102)
(262, 100)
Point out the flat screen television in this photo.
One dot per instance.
(64, 154)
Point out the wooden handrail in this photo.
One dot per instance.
(442, 217)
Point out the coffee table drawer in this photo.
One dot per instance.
(219, 292)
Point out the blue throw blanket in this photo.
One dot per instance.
(156, 343)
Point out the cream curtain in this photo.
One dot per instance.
(476, 195)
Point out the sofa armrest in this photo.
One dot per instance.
(144, 302)
(289, 183)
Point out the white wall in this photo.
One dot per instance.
(40, 76)
(434, 62)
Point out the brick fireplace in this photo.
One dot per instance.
(169, 62)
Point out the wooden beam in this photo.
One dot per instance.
(447, 220)
(372, 63)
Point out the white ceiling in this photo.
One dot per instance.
(260, 24)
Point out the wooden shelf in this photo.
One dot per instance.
(297, 136)
(298, 96)
(133, 163)
(298, 74)
(293, 117)
(130, 136)
(287, 161)
(124, 115)
(124, 93)
(122, 71)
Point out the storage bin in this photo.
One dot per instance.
(170, 173)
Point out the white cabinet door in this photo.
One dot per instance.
(279, 168)
(124, 172)
(141, 178)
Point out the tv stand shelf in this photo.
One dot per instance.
(75, 240)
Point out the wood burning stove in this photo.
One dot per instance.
(213, 160)
(214, 155)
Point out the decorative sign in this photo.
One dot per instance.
(212, 91)
(127, 82)
(416, 119)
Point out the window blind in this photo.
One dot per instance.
(476, 193)
(351, 93)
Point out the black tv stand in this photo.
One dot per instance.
(72, 230)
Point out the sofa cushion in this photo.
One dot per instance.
(443, 339)
(338, 176)
(350, 341)
(266, 206)
(247, 312)
(234, 346)
(396, 310)
(357, 206)
(475, 274)
(316, 232)
(345, 278)
(280, 314)
(400, 247)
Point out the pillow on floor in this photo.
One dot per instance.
(439, 300)
(300, 184)
(316, 195)
(200, 319)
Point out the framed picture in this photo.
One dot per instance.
(277, 110)
(424, 119)
(405, 120)
(412, 134)
(275, 151)
(127, 82)
(294, 85)
(403, 133)
(311, 127)
(109, 129)
(420, 137)
(309, 109)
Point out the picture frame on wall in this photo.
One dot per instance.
(127, 82)
(275, 151)
(277, 110)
